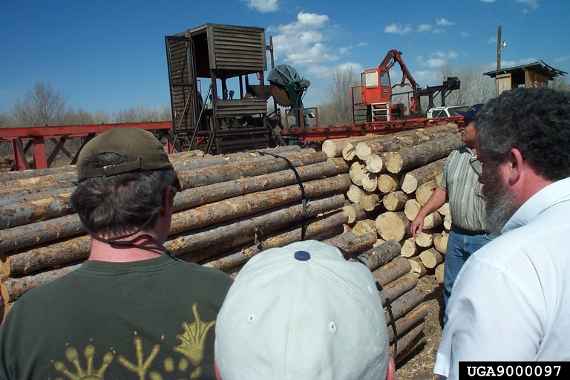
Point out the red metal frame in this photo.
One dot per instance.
(37, 137)
(318, 135)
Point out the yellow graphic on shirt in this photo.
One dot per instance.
(81, 373)
(170, 367)
(193, 339)
(142, 365)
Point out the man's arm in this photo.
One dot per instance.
(436, 200)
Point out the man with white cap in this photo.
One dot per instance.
(302, 312)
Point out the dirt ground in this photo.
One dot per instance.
(420, 366)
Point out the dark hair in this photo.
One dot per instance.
(534, 120)
(122, 203)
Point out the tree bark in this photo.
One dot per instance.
(391, 271)
(352, 245)
(392, 225)
(413, 157)
(56, 205)
(395, 200)
(421, 175)
(400, 140)
(401, 285)
(407, 344)
(409, 321)
(32, 235)
(406, 303)
(380, 255)
(314, 230)
(208, 242)
(387, 183)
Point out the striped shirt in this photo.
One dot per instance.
(461, 181)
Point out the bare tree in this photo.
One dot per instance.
(41, 106)
(339, 107)
(142, 113)
(5, 120)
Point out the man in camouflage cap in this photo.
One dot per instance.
(131, 311)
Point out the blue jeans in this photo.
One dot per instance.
(459, 248)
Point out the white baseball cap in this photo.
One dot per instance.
(302, 312)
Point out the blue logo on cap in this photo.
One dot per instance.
(302, 255)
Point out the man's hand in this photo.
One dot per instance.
(417, 225)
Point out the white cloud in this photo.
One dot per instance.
(438, 31)
(424, 28)
(492, 40)
(397, 29)
(263, 6)
(362, 44)
(562, 59)
(312, 19)
(306, 44)
(438, 59)
(444, 22)
(355, 67)
(465, 34)
(488, 1)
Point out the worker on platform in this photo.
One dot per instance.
(303, 312)
(461, 188)
(511, 301)
(131, 311)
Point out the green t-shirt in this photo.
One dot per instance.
(152, 319)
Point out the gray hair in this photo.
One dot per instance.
(534, 120)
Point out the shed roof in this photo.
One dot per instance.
(538, 66)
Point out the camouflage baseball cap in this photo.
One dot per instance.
(142, 149)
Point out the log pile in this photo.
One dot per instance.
(230, 204)
(362, 195)
(392, 177)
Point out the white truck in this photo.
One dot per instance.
(446, 111)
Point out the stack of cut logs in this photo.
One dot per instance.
(392, 177)
(230, 208)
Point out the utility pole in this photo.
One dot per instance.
(500, 46)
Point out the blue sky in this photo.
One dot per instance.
(109, 55)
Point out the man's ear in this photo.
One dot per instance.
(515, 165)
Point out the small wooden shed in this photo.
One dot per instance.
(534, 74)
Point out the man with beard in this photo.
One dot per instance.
(460, 186)
(511, 301)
